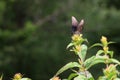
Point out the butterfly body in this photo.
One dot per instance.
(77, 27)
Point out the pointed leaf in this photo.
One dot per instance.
(25, 79)
(80, 77)
(82, 53)
(69, 45)
(98, 59)
(102, 78)
(68, 66)
(111, 42)
(96, 44)
(88, 62)
(87, 74)
(72, 75)
(114, 61)
(99, 52)
(91, 78)
(94, 60)
(1, 77)
(86, 40)
(111, 53)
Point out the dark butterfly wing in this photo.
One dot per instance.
(74, 24)
(80, 26)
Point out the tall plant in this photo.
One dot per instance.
(78, 46)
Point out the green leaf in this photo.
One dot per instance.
(102, 78)
(114, 61)
(25, 79)
(96, 44)
(98, 59)
(84, 75)
(99, 52)
(117, 79)
(83, 52)
(86, 40)
(111, 53)
(68, 66)
(69, 45)
(87, 74)
(1, 77)
(72, 75)
(91, 78)
(80, 77)
(111, 42)
(94, 60)
(88, 62)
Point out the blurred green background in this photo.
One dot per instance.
(34, 33)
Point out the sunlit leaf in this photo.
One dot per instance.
(69, 45)
(111, 53)
(82, 53)
(86, 40)
(98, 59)
(80, 77)
(1, 77)
(91, 78)
(87, 74)
(114, 61)
(68, 66)
(96, 44)
(111, 42)
(72, 75)
(88, 62)
(117, 79)
(102, 78)
(94, 60)
(99, 52)
(25, 79)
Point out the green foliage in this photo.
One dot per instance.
(84, 64)
(17, 76)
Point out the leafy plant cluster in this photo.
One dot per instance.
(103, 55)
(17, 76)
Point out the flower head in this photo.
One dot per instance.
(18, 76)
(55, 78)
(105, 49)
(76, 37)
(104, 41)
(111, 72)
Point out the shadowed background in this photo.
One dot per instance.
(34, 33)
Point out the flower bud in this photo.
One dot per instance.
(75, 37)
(56, 78)
(104, 41)
(105, 49)
(18, 76)
(111, 72)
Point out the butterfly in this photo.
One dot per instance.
(77, 27)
